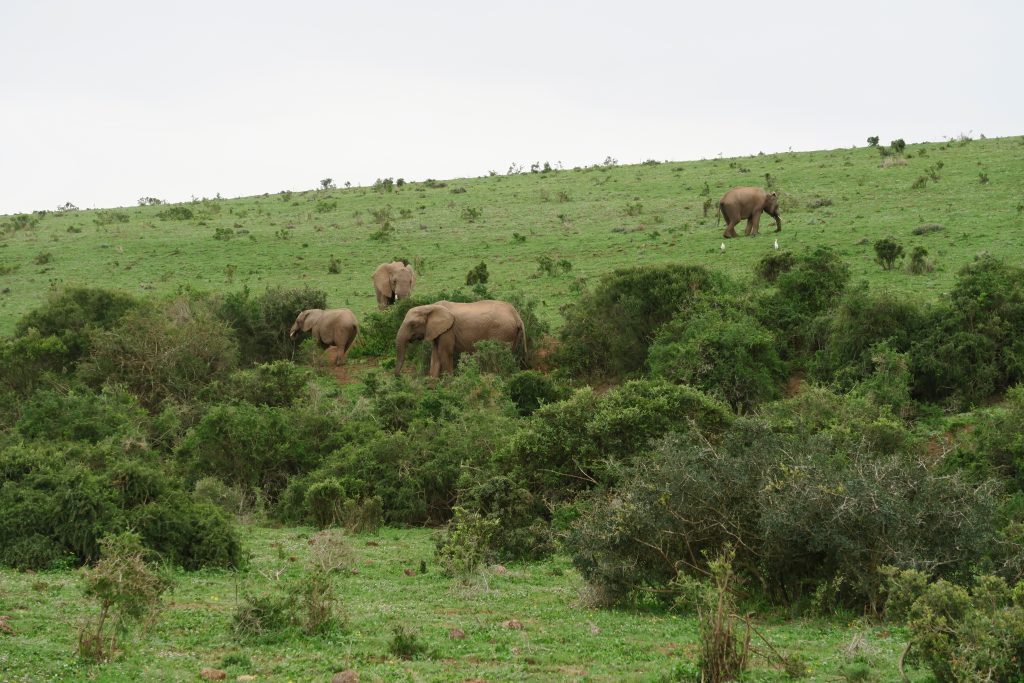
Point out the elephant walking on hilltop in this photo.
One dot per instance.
(335, 327)
(748, 202)
(454, 328)
(393, 281)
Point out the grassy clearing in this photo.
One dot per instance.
(560, 639)
(598, 219)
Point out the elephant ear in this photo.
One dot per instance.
(439, 321)
(309, 318)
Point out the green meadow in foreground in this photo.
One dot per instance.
(546, 234)
(522, 622)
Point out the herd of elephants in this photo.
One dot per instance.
(453, 328)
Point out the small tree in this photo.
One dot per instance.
(887, 252)
(478, 275)
(128, 590)
(898, 145)
(873, 141)
(327, 184)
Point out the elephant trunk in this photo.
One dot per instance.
(778, 222)
(400, 341)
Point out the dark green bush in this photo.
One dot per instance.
(802, 296)
(520, 529)
(975, 635)
(971, 348)
(887, 252)
(71, 314)
(82, 415)
(862, 320)
(260, 446)
(25, 360)
(377, 330)
(996, 445)
(801, 511)
(571, 445)
(187, 534)
(166, 353)
(279, 383)
(608, 330)
(724, 352)
(175, 213)
(773, 264)
(529, 390)
(261, 322)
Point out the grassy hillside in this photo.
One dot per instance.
(597, 219)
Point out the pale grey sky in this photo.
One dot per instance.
(107, 101)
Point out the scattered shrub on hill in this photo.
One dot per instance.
(24, 361)
(609, 329)
(377, 330)
(466, 544)
(724, 352)
(887, 252)
(261, 323)
(919, 262)
(529, 390)
(110, 217)
(520, 528)
(21, 221)
(477, 275)
(996, 445)
(176, 213)
(801, 512)
(170, 352)
(927, 228)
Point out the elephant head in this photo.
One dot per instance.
(304, 322)
(771, 207)
(421, 322)
(401, 283)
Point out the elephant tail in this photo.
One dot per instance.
(522, 340)
(718, 218)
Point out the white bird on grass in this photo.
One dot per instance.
(723, 247)
(776, 245)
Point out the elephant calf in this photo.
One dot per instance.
(748, 202)
(336, 327)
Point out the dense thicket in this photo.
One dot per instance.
(775, 418)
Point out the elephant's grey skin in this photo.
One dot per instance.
(748, 202)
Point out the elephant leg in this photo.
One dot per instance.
(445, 345)
(753, 224)
(730, 229)
(435, 361)
(382, 301)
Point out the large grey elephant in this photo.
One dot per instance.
(335, 327)
(393, 281)
(748, 202)
(454, 328)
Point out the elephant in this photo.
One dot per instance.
(335, 327)
(454, 328)
(748, 202)
(393, 281)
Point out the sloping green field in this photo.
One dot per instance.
(597, 219)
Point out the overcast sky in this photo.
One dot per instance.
(104, 102)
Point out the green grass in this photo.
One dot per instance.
(288, 239)
(561, 640)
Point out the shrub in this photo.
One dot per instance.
(609, 329)
(773, 264)
(261, 323)
(573, 444)
(861, 320)
(187, 534)
(128, 591)
(24, 361)
(887, 252)
(529, 390)
(279, 383)
(477, 275)
(163, 353)
(996, 445)
(971, 347)
(919, 262)
(494, 357)
(465, 546)
(724, 352)
(377, 330)
(82, 415)
(176, 213)
(801, 510)
(520, 530)
(973, 635)
(803, 294)
(405, 643)
(72, 314)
